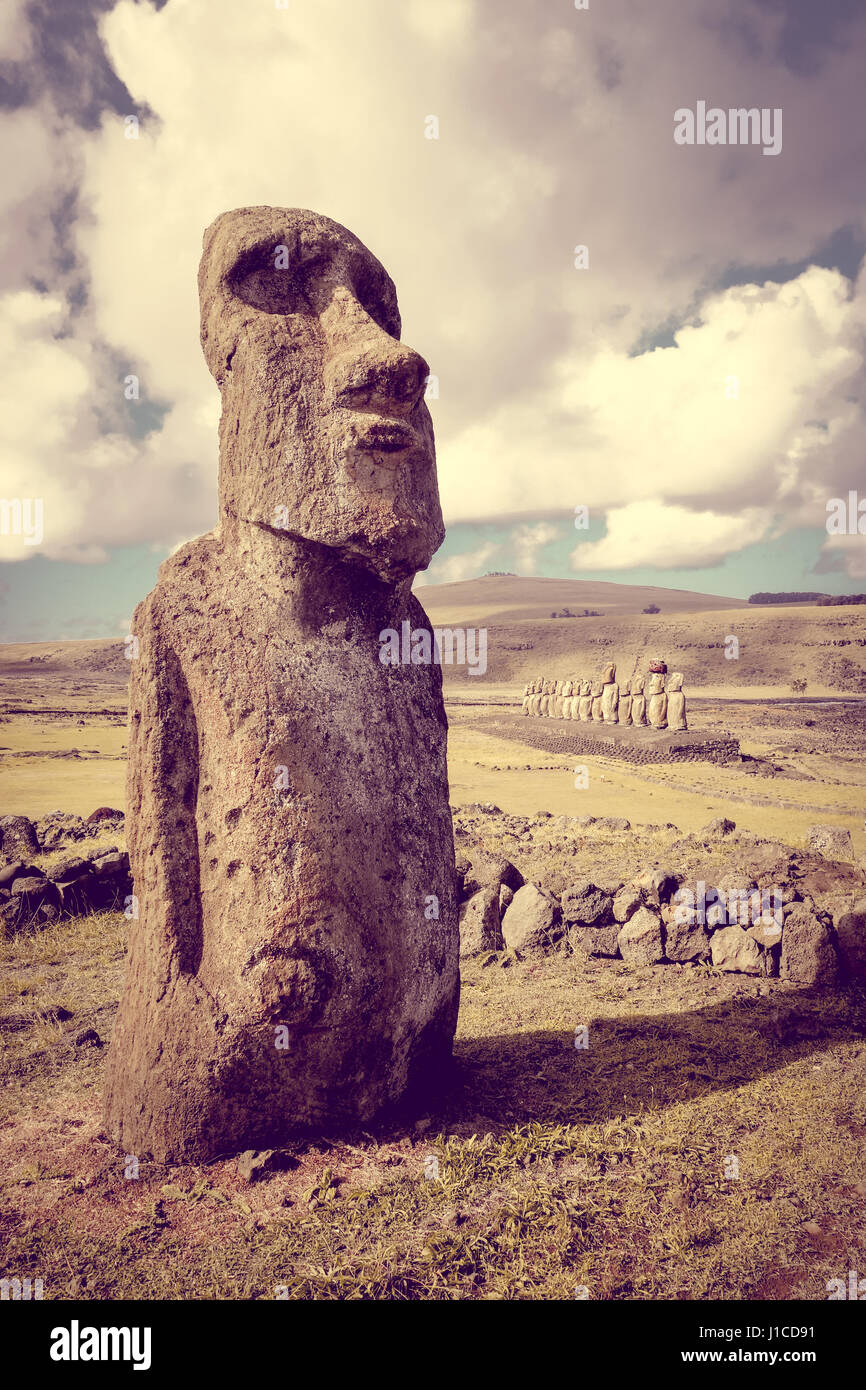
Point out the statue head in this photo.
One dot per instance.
(626, 689)
(675, 681)
(325, 435)
(637, 685)
(609, 675)
(656, 683)
(597, 687)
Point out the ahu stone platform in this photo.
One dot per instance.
(634, 745)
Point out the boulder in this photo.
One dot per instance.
(808, 951)
(505, 896)
(16, 869)
(832, 841)
(718, 827)
(626, 903)
(58, 827)
(68, 868)
(586, 904)
(19, 838)
(686, 940)
(733, 949)
(103, 813)
(612, 823)
(532, 921)
(594, 941)
(641, 940)
(111, 864)
(658, 885)
(488, 871)
(480, 928)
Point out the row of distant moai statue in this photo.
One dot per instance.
(655, 700)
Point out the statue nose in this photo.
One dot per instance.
(379, 375)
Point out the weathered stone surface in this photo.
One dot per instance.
(676, 711)
(612, 823)
(73, 867)
(288, 818)
(16, 869)
(686, 940)
(641, 940)
(638, 701)
(480, 928)
(487, 870)
(851, 936)
(626, 903)
(657, 701)
(720, 826)
(733, 949)
(19, 838)
(61, 827)
(532, 921)
(808, 952)
(658, 885)
(506, 895)
(586, 904)
(833, 841)
(103, 813)
(108, 865)
(595, 941)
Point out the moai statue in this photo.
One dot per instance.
(657, 701)
(625, 704)
(547, 707)
(609, 696)
(535, 698)
(559, 701)
(585, 703)
(294, 964)
(597, 688)
(638, 701)
(676, 702)
(574, 706)
(527, 695)
(567, 692)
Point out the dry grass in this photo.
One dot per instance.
(558, 1167)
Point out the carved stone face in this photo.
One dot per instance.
(656, 684)
(675, 681)
(637, 684)
(609, 675)
(325, 435)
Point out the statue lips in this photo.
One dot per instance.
(386, 437)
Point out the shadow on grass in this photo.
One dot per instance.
(643, 1062)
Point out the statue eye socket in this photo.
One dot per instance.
(272, 290)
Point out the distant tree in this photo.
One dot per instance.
(652, 608)
(554, 615)
(834, 600)
(798, 686)
(795, 596)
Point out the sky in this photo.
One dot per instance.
(665, 340)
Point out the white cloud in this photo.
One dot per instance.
(455, 567)
(556, 129)
(528, 541)
(665, 537)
